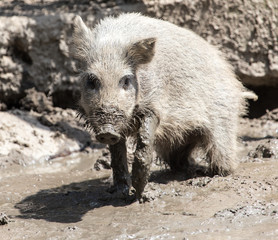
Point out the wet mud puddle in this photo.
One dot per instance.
(66, 198)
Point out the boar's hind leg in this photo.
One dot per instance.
(144, 153)
(119, 166)
(222, 154)
(179, 158)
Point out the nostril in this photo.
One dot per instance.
(108, 138)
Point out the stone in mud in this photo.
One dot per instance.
(4, 219)
(36, 101)
(267, 149)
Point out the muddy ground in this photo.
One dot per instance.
(54, 179)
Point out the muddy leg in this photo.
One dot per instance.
(119, 166)
(143, 154)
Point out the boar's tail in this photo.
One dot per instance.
(250, 95)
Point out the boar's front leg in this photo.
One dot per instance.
(121, 178)
(144, 153)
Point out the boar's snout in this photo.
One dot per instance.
(107, 135)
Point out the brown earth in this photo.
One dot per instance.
(54, 180)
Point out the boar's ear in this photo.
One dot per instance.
(79, 26)
(81, 41)
(141, 52)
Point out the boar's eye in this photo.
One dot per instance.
(127, 81)
(92, 81)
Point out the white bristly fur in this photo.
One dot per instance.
(188, 83)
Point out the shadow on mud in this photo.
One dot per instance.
(68, 203)
(165, 176)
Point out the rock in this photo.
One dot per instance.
(34, 54)
(36, 101)
(266, 149)
(246, 32)
(4, 219)
(26, 140)
(104, 161)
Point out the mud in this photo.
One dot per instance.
(54, 185)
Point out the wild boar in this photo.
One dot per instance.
(163, 84)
